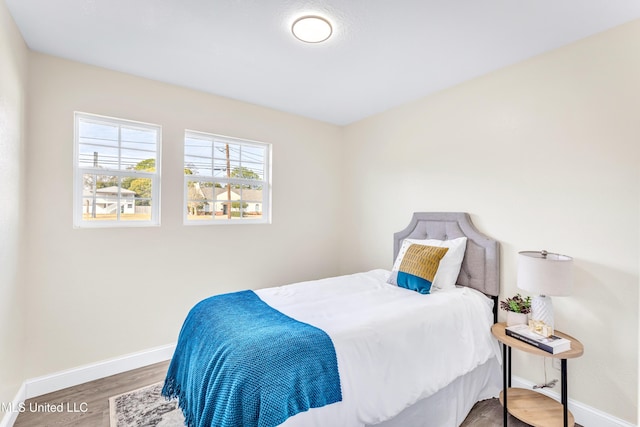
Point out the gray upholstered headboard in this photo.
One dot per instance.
(481, 265)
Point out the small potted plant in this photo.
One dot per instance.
(517, 308)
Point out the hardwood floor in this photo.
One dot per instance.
(87, 405)
(90, 400)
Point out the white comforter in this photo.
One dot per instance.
(394, 346)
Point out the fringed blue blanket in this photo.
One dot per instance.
(240, 362)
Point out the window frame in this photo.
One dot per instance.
(79, 172)
(266, 182)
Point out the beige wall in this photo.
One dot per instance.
(544, 155)
(13, 73)
(99, 293)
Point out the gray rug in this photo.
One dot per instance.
(144, 407)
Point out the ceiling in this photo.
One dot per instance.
(382, 53)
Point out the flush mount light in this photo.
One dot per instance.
(311, 29)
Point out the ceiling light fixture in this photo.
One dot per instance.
(312, 29)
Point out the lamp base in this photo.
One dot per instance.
(542, 310)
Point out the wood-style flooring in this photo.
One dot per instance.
(91, 399)
(91, 403)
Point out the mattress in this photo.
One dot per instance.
(395, 348)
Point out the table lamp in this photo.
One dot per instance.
(545, 274)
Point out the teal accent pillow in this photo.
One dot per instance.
(414, 283)
(449, 267)
(418, 267)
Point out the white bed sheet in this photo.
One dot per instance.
(394, 346)
(449, 406)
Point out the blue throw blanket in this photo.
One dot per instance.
(241, 363)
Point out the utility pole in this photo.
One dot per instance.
(95, 184)
(228, 183)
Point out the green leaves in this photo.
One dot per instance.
(517, 304)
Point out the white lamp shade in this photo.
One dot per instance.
(545, 273)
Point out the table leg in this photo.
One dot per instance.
(509, 350)
(505, 384)
(565, 403)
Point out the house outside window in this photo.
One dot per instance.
(116, 172)
(226, 180)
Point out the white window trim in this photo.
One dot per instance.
(78, 172)
(267, 185)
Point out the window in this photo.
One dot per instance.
(117, 172)
(226, 180)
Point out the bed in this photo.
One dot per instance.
(406, 347)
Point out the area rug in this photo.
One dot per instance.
(144, 407)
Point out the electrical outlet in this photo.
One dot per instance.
(556, 363)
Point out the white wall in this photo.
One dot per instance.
(544, 155)
(13, 73)
(99, 293)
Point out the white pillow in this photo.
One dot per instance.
(450, 264)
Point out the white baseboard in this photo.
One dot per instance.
(49, 383)
(11, 412)
(82, 374)
(584, 415)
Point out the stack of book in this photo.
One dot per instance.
(552, 344)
